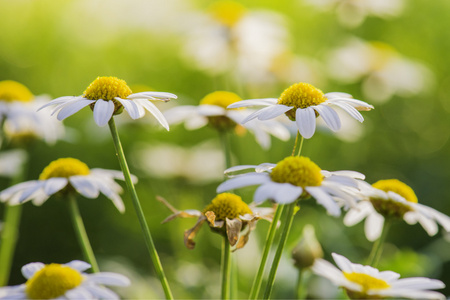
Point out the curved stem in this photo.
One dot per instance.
(295, 143)
(300, 146)
(377, 247)
(82, 236)
(226, 268)
(254, 292)
(139, 212)
(290, 213)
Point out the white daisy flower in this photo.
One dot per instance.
(303, 103)
(64, 281)
(366, 282)
(213, 111)
(392, 198)
(67, 175)
(227, 215)
(108, 96)
(21, 122)
(294, 178)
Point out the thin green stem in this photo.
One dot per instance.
(269, 241)
(290, 213)
(295, 143)
(226, 268)
(226, 148)
(299, 288)
(377, 248)
(302, 283)
(8, 241)
(140, 214)
(301, 146)
(82, 236)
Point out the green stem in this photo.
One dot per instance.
(276, 260)
(226, 148)
(269, 240)
(226, 268)
(302, 283)
(140, 214)
(301, 146)
(82, 236)
(295, 143)
(377, 248)
(8, 241)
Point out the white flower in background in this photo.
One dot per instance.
(22, 123)
(303, 103)
(392, 198)
(67, 175)
(213, 111)
(12, 161)
(297, 177)
(108, 96)
(227, 215)
(64, 281)
(383, 71)
(170, 161)
(352, 13)
(229, 37)
(366, 282)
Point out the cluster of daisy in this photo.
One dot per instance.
(289, 182)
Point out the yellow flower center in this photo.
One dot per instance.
(64, 167)
(227, 12)
(220, 98)
(299, 171)
(227, 205)
(107, 88)
(52, 281)
(398, 187)
(367, 282)
(13, 91)
(301, 95)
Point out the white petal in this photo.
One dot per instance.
(239, 168)
(78, 265)
(254, 102)
(57, 101)
(103, 111)
(306, 121)
(7, 193)
(410, 293)
(419, 283)
(27, 194)
(242, 181)
(99, 292)
(30, 269)
(210, 110)
(78, 293)
(255, 114)
(342, 262)
(350, 110)
(373, 226)
(84, 186)
(155, 112)
(325, 200)
(130, 106)
(180, 113)
(287, 193)
(110, 194)
(53, 185)
(273, 112)
(72, 108)
(330, 117)
(264, 192)
(164, 96)
(109, 279)
(357, 214)
(441, 218)
(428, 224)
(352, 174)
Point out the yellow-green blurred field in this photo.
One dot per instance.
(59, 47)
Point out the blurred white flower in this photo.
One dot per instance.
(11, 162)
(383, 71)
(64, 281)
(366, 282)
(352, 13)
(393, 199)
(230, 37)
(168, 161)
(213, 111)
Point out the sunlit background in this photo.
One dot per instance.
(392, 54)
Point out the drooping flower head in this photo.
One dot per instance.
(366, 282)
(393, 199)
(108, 96)
(212, 110)
(296, 178)
(63, 281)
(227, 215)
(67, 175)
(303, 103)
